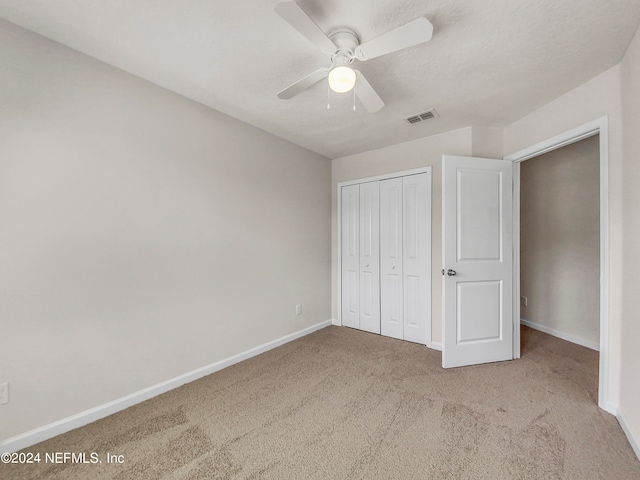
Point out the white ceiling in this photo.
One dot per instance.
(488, 64)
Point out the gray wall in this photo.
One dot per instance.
(630, 386)
(560, 240)
(142, 235)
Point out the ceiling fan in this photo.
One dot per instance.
(343, 46)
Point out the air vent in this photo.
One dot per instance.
(420, 117)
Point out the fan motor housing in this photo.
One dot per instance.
(346, 40)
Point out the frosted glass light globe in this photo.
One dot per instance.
(342, 79)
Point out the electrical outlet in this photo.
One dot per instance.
(523, 301)
(4, 393)
(299, 309)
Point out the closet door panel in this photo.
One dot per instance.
(350, 275)
(370, 257)
(416, 257)
(391, 288)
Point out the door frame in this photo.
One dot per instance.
(386, 176)
(599, 127)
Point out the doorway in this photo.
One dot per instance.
(559, 243)
(596, 127)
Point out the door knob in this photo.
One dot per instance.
(451, 273)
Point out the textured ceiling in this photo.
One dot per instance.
(488, 64)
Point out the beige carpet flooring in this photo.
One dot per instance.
(344, 404)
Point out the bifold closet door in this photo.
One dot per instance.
(350, 213)
(386, 257)
(370, 257)
(416, 257)
(361, 256)
(405, 287)
(391, 295)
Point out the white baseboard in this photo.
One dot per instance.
(557, 333)
(609, 407)
(336, 322)
(627, 431)
(51, 430)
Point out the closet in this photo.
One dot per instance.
(386, 256)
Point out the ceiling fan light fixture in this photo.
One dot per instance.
(342, 79)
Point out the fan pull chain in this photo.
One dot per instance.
(328, 94)
(354, 99)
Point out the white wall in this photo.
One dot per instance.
(142, 235)
(560, 240)
(487, 142)
(596, 98)
(630, 352)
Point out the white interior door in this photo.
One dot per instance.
(416, 248)
(477, 261)
(350, 256)
(370, 257)
(391, 296)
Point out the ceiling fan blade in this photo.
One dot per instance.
(304, 83)
(413, 33)
(298, 19)
(367, 95)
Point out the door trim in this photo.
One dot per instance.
(595, 127)
(404, 173)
